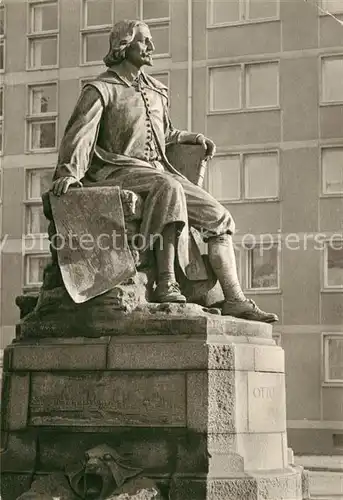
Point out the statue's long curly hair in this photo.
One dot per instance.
(121, 37)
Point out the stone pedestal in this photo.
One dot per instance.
(202, 413)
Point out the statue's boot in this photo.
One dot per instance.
(247, 309)
(223, 261)
(169, 291)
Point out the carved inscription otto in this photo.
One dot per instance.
(264, 392)
(266, 402)
(108, 399)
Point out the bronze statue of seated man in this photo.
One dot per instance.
(117, 136)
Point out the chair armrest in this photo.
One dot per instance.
(189, 160)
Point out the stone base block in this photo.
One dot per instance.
(278, 485)
(13, 485)
(194, 399)
(104, 315)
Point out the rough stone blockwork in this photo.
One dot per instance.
(196, 401)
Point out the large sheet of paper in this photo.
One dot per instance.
(91, 245)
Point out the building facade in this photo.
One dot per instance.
(263, 79)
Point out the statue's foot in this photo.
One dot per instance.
(247, 309)
(169, 292)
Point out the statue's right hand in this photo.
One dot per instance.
(61, 185)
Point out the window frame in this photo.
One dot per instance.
(3, 37)
(2, 127)
(325, 286)
(28, 206)
(322, 103)
(90, 30)
(157, 21)
(95, 27)
(242, 198)
(210, 105)
(323, 194)
(244, 20)
(32, 202)
(243, 88)
(3, 44)
(154, 19)
(27, 285)
(1, 187)
(248, 275)
(324, 7)
(164, 23)
(49, 117)
(44, 34)
(326, 380)
(106, 28)
(83, 34)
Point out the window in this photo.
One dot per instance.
(155, 9)
(244, 86)
(222, 12)
(1, 183)
(332, 5)
(156, 13)
(2, 38)
(38, 181)
(97, 18)
(332, 170)
(97, 13)
(333, 358)
(333, 264)
(34, 268)
(225, 178)
(43, 34)
(226, 88)
(36, 223)
(1, 118)
(332, 77)
(263, 267)
(160, 34)
(261, 176)
(248, 176)
(95, 46)
(42, 117)
(262, 85)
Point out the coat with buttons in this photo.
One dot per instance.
(115, 125)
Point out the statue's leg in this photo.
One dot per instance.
(223, 261)
(217, 226)
(164, 214)
(167, 289)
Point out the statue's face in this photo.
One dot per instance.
(140, 51)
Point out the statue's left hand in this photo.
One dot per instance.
(61, 185)
(208, 145)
